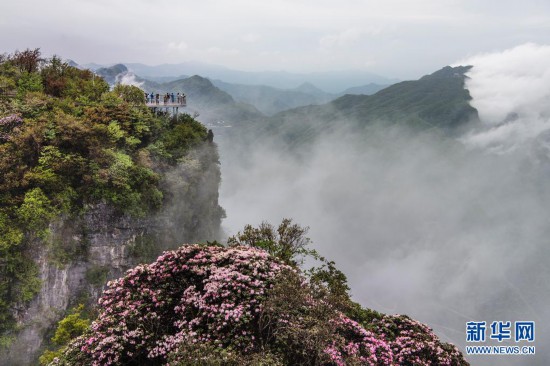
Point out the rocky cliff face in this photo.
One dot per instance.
(103, 244)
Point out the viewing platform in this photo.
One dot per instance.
(165, 105)
(166, 102)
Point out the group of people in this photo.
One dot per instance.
(168, 98)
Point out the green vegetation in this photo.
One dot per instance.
(437, 101)
(289, 243)
(73, 325)
(66, 142)
(250, 303)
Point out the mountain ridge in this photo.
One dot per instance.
(438, 100)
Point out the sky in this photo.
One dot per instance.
(394, 38)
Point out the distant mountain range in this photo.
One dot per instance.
(239, 101)
(437, 101)
(331, 82)
(270, 100)
(213, 105)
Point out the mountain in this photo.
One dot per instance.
(332, 82)
(309, 88)
(438, 100)
(270, 100)
(85, 196)
(267, 99)
(368, 89)
(92, 66)
(203, 98)
(213, 105)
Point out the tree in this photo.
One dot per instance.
(130, 94)
(53, 76)
(27, 61)
(288, 242)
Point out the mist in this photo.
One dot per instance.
(128, 78)
(444, 230)
(510, 90)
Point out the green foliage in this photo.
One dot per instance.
(78, 144)
(71, 326)
(68, 328)
(286, 242)
(28, 284)
(48, 356)
(130, 94)
(10, 236)
(289, 243)
(182, 133)
(29, 83)
(36, 212)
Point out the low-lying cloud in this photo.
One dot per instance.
(511, 91)
(443, 230)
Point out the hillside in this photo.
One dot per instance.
(368, 89)
(91, 180)
(438, 100)
(94, 183)
(246, 304)
(214, 106)
(270, 100)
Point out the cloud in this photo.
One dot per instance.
(511, 91)
(128, 78)
(222, 51)
(251, 38)
(419, 224)
(346, 37)
(178, 46)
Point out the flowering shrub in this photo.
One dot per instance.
(210, 305)
(192, 295)
(357, 344)
(414, 343)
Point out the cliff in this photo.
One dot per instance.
(109, 244)
(90, 182)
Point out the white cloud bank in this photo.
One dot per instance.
(511, 91)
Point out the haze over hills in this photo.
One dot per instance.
(364, 89)
(212, 104)
(267, 99)
(331, 82)
(434, 100)
(270, 100)
(438, 100)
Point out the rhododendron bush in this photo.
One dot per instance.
(212, 305)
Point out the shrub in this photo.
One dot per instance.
(210, 305)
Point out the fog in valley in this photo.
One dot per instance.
(444, 230)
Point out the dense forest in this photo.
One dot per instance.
(66, 142)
